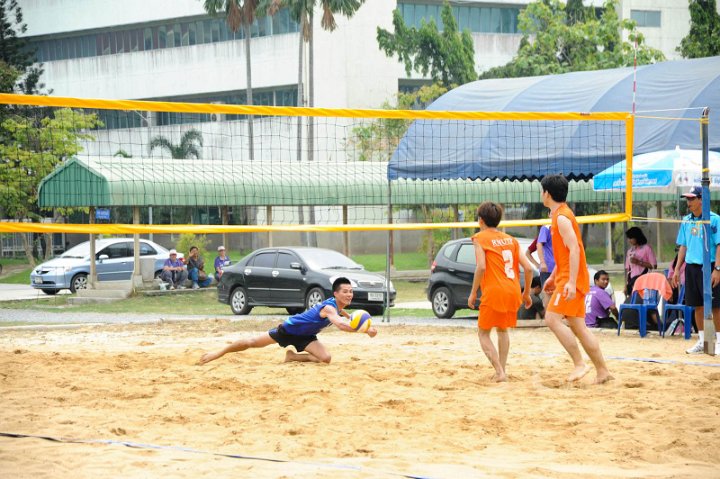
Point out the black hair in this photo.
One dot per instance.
(636, 234)
(556, 186)
(535, 282)
(192, 248)
(491, 213)
(600, 273)
(339, 282)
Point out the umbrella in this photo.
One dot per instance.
(661, 171)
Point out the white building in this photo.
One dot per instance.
(171, 49)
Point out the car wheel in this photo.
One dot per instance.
(50, 292)
(239, 302)
(79, 281)
(314, 296)
(442, 303)
(376, 311)
(294, 310)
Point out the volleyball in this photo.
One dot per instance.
(360, 320)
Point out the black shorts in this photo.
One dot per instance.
(285, 339)
(694, 287)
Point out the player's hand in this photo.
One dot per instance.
(527, 300)
(549, 286)
(372, 332)
(471, 301)
(674, 279)
(569, 291)
(715, 278)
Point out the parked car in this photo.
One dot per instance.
(297, 278)
(451, 276)
(114, 261)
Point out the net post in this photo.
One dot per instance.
(709, 325)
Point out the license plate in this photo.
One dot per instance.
(37, 280)
(376, 297)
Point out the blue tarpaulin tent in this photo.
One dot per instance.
(450, 149)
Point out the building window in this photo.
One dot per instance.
(475, 18)
(169, 34)
(646, 18)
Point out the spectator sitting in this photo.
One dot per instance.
(221, 261)
(196, 269)
(599, 304)
(537, 310)
(174, 271)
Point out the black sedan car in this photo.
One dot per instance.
(451, 276)
(297, 278)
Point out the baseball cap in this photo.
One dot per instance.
(172, 252)
(695, 192)
(221, 248)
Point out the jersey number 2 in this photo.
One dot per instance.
(508, 258)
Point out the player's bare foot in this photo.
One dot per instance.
(603, 379)
(578, 373)
(499, 378)
(289, 356)
(207, 357)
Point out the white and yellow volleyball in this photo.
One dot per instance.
(360, 320)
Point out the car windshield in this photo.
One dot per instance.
(328, 259)
(80, 251)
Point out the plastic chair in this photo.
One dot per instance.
(688, 313)
(650, 302)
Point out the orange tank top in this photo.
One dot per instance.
(562, 253)
(500, 285)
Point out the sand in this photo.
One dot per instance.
(413, 401)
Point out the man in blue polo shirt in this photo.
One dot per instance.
(692, 241)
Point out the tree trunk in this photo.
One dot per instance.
(312, 236)
(27, 246)
(301, 103)
(248, 71)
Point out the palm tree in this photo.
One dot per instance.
(187, 148)
(302, 12)
(240, 13)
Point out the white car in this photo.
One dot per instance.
(114, 261)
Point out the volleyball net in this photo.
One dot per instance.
(120, 167)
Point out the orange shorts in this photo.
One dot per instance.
(574, 308)
(489, 318)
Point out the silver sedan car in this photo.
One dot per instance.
(114, 261)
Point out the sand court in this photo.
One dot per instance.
(412, 402)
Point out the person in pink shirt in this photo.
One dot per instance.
(640, 258)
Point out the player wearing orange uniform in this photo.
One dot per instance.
(568, 283)
(497, 275)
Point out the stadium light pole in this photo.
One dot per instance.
(709, 325)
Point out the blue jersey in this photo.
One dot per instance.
(309, 322)
(691, 235)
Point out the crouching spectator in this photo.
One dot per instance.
(174, 271)
(599, 304)
(221, 261)
(537, 310)
(196, 269)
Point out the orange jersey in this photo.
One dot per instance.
(562, 253)
(500, 285)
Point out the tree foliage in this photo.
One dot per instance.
(32, 150)
(553, 44)
(189, 146)
(377, 140)
(448, 57)
(703, 40)
(18, 72)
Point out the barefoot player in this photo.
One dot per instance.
(301, 330)
(497, 275)
(569, 283)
